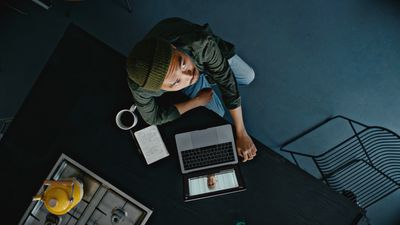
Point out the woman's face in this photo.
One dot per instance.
(182, 72)
(211, 181)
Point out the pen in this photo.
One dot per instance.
(136, 143)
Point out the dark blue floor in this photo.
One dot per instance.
(313, 59)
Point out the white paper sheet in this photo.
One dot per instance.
(151, 144)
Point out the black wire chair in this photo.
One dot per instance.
(366, 164)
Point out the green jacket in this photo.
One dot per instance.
(209, 53)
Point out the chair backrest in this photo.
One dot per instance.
(367, 163)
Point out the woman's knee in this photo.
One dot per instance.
(243, 72)
(251, 76)
(247, 78)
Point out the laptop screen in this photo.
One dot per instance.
(222, 180)
(212, 182)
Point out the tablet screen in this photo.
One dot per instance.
(222, 180)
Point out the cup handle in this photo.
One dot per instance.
(133, 108)
(135, 119)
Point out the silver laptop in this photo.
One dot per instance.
(217, 141)
(209, 163)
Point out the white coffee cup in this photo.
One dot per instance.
(126, 118)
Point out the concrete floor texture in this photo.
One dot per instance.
(312, 59)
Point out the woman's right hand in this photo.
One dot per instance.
(204, 96)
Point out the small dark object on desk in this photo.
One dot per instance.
(52, 219)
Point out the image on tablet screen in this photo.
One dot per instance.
(222, 180)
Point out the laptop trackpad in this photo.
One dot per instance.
(205, 137)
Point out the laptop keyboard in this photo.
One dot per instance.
(206, 156)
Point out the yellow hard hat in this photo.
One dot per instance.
(61, 196)
(57, 201)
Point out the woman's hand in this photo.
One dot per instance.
(245, 146)
(204, 96)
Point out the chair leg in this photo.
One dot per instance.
(20, 11)
(4, 125)
(129, 6)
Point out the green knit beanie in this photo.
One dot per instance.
(148, 63)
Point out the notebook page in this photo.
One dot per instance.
(151, 144)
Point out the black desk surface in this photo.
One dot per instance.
(71, 109)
